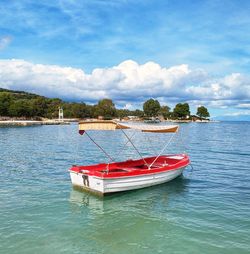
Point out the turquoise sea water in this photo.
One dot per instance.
(206, 210)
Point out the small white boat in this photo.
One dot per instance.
(131, 174)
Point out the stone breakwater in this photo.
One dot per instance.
(31, 123)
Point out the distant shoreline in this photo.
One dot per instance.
(14, 122)
(190, 121)
(9, 123)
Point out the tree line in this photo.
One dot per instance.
(152, 108)
(22, 104)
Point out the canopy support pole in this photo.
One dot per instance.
(123, 147)
(163, 149)
(134, 146)
(111, 159)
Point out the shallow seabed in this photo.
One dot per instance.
(206, 210)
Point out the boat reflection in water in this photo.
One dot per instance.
(147, 200)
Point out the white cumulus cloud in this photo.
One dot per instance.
(127, 82)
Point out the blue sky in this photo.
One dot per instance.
(205, 45)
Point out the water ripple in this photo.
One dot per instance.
(204, 211)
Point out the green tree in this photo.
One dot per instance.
(181, 110)
(138, 113)
(79, 110)
(105, 108)
(5, 102)
(53, 107)
(165, 111)
(90, 111)
(20, 108)
(151, 107)
(202, 112)
(123, 113)
(39, 106)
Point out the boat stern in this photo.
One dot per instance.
(82, 179)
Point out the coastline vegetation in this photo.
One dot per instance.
(19, 104)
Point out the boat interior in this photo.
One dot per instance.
(133, 165)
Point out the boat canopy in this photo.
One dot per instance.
(112, 125)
